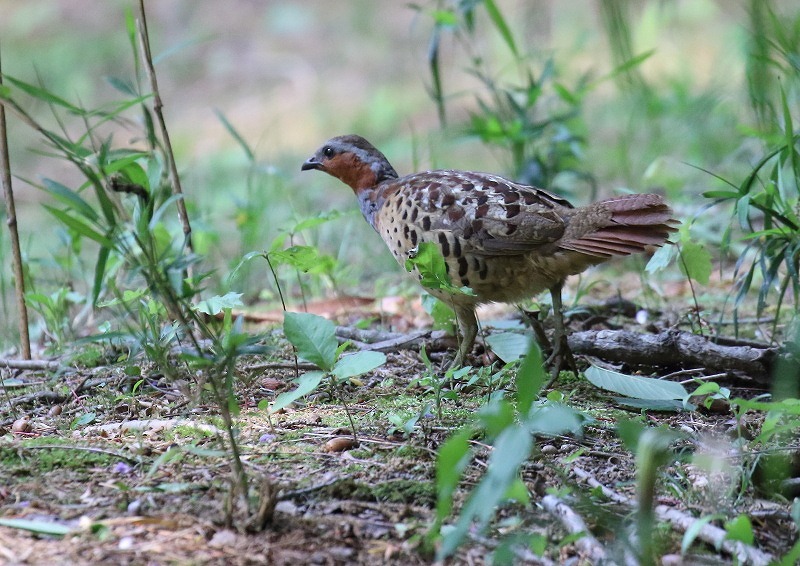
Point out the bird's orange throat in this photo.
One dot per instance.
(352, 171)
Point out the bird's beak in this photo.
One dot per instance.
(311, 163)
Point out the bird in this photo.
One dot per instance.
(505, 241)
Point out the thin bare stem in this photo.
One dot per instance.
(11, 220)
(158, 105)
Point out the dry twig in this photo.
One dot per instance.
(11, 221)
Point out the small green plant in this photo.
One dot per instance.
(509, 426)
(314, 339)
(145, 267)
(534, 119)
(766, 207)
(54, 309)
(652, 448)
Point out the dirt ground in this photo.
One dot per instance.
(139, 478)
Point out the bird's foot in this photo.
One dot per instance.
(560, 359)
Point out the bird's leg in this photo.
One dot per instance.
(467, 330)
(561, 357)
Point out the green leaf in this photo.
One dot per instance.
(672, 405)
(530, 378)
(445, 18)
(509, 346)
(696, 262)
(451, 461)
(42, 94)
(500, 23)
(429, 263)
(634, 385)
(740, 529)
(314, 221)
(304, 258)
(82, 420)
(444, 318)
(694, 529)
(721, 194)
(513, 447)
(358, 363)
(100, 272)
(495, 418)
(235, 135)
(313, 336)
(555, 418)
(661, 259)
(124, 86)
(71, 199)
(216, 304)
(39, 527)
(80, 227)
(306, 383)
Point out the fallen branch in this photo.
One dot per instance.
(674, 348)
(589, 546)
(710, 534)
(29, 364)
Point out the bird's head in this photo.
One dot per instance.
(353, 160)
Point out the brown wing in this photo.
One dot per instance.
(489, 214)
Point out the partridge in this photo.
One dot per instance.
(505, 241)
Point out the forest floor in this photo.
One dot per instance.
(136, 475)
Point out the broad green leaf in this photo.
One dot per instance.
(789, 406)
(509, 346)
(635, 386)
(84, 419)
(741, 529)
(495, 418)
(358, 363)
(313, 336)
(443, 316)
(216, 304)
(39, 527)
(696, 262)
(694, 529)
(661, 259)
(513, 447)
(707, 388)
(555, 418)
(430, 264)
(306, 383)
(304, 258)
(530, 378)
(451, 461)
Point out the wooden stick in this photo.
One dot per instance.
(11, 215)
(158, 105)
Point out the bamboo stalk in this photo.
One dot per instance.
(11, 215)
(158, 105)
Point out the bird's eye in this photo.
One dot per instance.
(327, 151)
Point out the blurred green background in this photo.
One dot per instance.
(288, 75)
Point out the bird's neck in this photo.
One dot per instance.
(370, 200)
